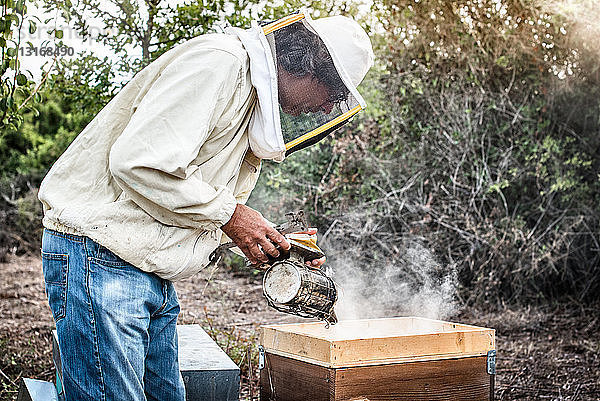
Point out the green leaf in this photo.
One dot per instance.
(32, 27)
(11, 51)
(20, 6)
(14, 17)
(58, 33)
(502, 61)
(21, 79)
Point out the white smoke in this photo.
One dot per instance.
(401, 277)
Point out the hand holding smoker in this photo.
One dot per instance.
(289, 285)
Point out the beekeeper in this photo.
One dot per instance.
(143, 195)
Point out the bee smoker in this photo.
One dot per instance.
(290, 286)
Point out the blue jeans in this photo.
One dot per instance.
(116, 324)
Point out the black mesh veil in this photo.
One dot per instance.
(314, 99)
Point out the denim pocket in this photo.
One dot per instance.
(105, 258)
(56, 267)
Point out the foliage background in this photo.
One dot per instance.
(480, 140)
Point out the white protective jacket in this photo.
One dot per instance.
(156, 173)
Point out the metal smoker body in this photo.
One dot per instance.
(290, 286)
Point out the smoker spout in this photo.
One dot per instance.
(331, 319)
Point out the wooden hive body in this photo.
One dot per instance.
(405, 358)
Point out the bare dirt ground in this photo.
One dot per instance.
(544, 353)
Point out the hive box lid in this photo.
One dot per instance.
(376, 341)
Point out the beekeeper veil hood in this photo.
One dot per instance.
(305, 73)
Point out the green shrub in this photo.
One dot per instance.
(482, 144)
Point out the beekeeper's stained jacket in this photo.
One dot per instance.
(160, 169)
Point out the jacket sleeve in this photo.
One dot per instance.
(153, 159)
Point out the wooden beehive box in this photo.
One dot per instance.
(404, 358)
